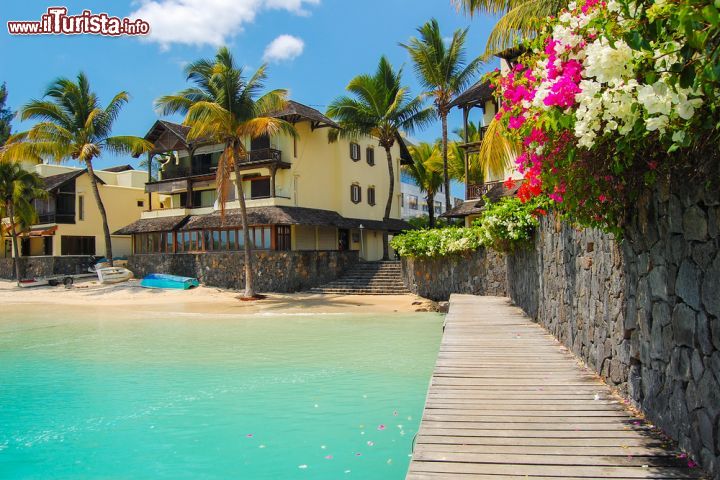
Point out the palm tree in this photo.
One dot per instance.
(225, 107)
(444, 72)
(18, 188)
(73, 126)
(518, 21)
(423, 170)
(5, 116)
(380, 107)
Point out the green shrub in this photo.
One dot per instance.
(503, 226)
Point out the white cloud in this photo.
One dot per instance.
(284, 47)
(207, 22)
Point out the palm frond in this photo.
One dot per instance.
(124, 144)
(496, 151)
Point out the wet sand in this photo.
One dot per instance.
(205, 300)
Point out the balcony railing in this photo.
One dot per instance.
(64, 218)
(476, 191)
(183, 171)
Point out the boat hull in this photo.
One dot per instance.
(110, 275)
(174, 282)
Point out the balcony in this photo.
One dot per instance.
(56, 217)
(476, 191)
(255, 158)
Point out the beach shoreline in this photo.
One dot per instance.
(206, 300)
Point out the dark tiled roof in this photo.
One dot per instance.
(53, 182)
(118, 168)
(478, 93)
(148, 225)
(295, 111)
(181, 131)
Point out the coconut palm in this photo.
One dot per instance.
(225, 107)
(72, 125)
(518, 21)
(423, 170)
(18, 188)
(381, 107)
(444, 73)
(5, 116)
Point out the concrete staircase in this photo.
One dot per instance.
(367, 278)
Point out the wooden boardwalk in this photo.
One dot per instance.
(508, 401)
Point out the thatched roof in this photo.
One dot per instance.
(478, 94)
(261, 216)
(53, 182)
(475, 207)
(469, 207)
(266, 216)
(150, 225)
(290, 216)
(296, 112)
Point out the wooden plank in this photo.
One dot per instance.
(506, 400)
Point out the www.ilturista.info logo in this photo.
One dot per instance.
(57, 22)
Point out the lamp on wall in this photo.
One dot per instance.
(362, 247)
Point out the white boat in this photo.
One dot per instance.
(113, 275)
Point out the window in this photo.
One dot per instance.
(81, 207)
(371, 195)
(283, 237)
(140, 203)
(425, 208)
(76, 245)
(260, 187)
(438, 208)
(260, 143)
(370, 155)
(413, 202)
(355, 193)
(354, 151)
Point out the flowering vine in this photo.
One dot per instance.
(602, 97)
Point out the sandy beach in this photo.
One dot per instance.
(206, 299)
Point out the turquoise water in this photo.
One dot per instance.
(112, 394)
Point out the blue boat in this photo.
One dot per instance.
(160, 280)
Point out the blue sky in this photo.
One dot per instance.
(340, 39)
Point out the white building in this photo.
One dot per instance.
(413, 200)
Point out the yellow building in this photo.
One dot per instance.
(69, 222)
(302, 193)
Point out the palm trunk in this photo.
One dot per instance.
(446, 177)
(388, 205)
(431, 209)
(249, 289)
(16, 249)
(103, 213)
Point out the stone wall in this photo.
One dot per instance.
(45, 266)
(643, 312)
(481, 273)
(274, 271)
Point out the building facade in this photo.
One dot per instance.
(302, 194)
(413, 201)
(69, 221)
